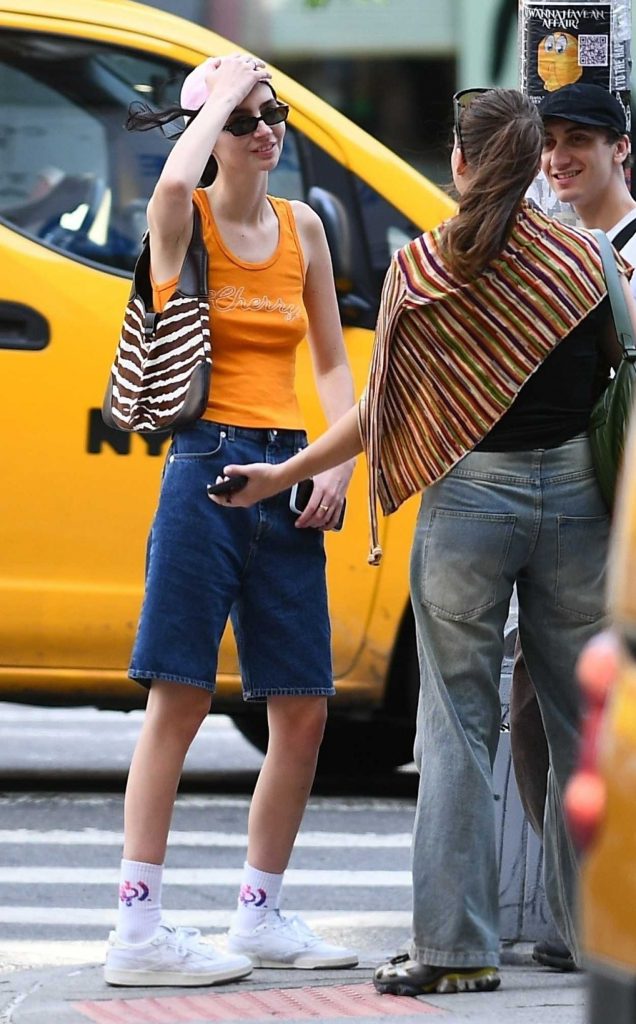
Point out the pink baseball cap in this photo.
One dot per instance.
(194, 91)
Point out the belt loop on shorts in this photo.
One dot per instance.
(272, 435)
(231, 431)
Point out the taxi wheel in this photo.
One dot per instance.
(355, 744)
(348, 746)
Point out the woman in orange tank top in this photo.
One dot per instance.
(271, 285)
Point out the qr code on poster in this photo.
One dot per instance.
(593, 51)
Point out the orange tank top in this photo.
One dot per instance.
(258, 319)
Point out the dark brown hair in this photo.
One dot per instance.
(142, 118)
(612, 136)
(502, 139)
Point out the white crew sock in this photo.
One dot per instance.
(259, 894)
(139, 914)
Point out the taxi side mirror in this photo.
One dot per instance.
(335, 220)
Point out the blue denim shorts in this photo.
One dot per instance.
(206, 563)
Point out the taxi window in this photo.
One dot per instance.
(386, 228)
(71, 176)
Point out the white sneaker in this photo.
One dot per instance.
(288, 942)
(173, 956)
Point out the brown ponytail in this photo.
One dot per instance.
(502, 138)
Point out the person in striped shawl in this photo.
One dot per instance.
(494, 340)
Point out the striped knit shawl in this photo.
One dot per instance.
(450, 356)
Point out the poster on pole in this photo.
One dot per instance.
(564, 43)
(622, 47)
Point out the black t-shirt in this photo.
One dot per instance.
(556, 402)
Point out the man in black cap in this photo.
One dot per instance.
(584, 157)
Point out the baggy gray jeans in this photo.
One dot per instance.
(535, 518)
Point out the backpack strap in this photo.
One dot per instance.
(620, 312)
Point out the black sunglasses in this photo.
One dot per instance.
(247, 125)
(461, 101)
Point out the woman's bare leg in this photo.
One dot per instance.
(174, 714)
(296, 727)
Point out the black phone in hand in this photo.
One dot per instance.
(230, 485)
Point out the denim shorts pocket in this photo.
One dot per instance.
(581, 562)
(188, 446)
(463, 559)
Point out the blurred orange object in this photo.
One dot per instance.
(601, 798)
(585, 802)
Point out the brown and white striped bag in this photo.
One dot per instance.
(161, 374)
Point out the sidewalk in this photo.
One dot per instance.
(78, 994)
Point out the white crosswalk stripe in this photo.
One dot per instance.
(58, 885)
(202, 877)
(97, 837)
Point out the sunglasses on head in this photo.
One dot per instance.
(461, 102)
(247, 125)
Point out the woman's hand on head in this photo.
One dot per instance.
(235, 76)
(262, 482)
(211, 65)
(325, 504)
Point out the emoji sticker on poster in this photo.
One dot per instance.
(557, 61)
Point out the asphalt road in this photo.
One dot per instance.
(61, 742)
(85, 749)
(61, 806)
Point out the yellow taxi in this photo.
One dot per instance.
(76, 498)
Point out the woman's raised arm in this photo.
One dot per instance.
(228, 81)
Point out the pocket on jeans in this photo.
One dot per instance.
(463, 559)
(581, 560)
(195, 445)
